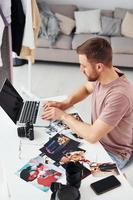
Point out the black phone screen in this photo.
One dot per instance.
(105, 184)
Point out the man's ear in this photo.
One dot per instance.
(99, 67)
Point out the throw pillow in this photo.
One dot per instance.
(127, 25)
(107, 13)
(66, 23)
(88, 21)
(49, 26)
(110, 26)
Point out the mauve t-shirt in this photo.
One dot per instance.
(113, 104)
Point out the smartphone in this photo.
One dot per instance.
(105, 184)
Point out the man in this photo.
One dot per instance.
(112, 102)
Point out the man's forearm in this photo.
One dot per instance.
(82, 129)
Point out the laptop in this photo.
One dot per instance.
(20, 111)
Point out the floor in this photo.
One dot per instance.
(55, 79)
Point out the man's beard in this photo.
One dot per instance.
(94, 77)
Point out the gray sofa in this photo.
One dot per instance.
(64, 48)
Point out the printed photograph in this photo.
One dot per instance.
(103, 169)
(58, 145)
(73, 156)
(39, 175)
(61, 125)
(77, 156)
(43, 159)
(58, 125)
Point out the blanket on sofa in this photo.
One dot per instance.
(49, 27)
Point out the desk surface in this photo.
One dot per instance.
(20, 190)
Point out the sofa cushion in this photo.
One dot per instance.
(120, 12)
(107, 13)
(49, 23)
(67, 10)
(110, 26)
(66, 24)
(127, 25)
(88, 21)
(63, 42)
(122, 45)
(78, 39)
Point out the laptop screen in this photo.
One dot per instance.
(11, 101)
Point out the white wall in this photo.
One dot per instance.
(105, 4)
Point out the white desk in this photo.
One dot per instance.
(20, 190)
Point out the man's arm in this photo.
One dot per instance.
(80, 94)
(91, 133)
(76, 97)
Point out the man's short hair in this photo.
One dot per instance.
(96, 50)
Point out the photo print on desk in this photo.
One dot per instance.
(58, 145)
(58, 126)
(39, 175)
(69, 152)
(41, 158)
(77, 156)
(103, 169)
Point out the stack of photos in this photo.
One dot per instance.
(58, 145)
(58, 125)
(62, 150)
(46, 168)
(103, 169)
(39, 175)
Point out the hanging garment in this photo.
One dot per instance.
(28, 39)
(31, 30)
(17, 25)
(5, 6)
(2, 26)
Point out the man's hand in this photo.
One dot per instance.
(61, 105)
(53, 113)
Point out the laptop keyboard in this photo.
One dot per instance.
(30, 111)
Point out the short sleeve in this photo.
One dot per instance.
(116, 107)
